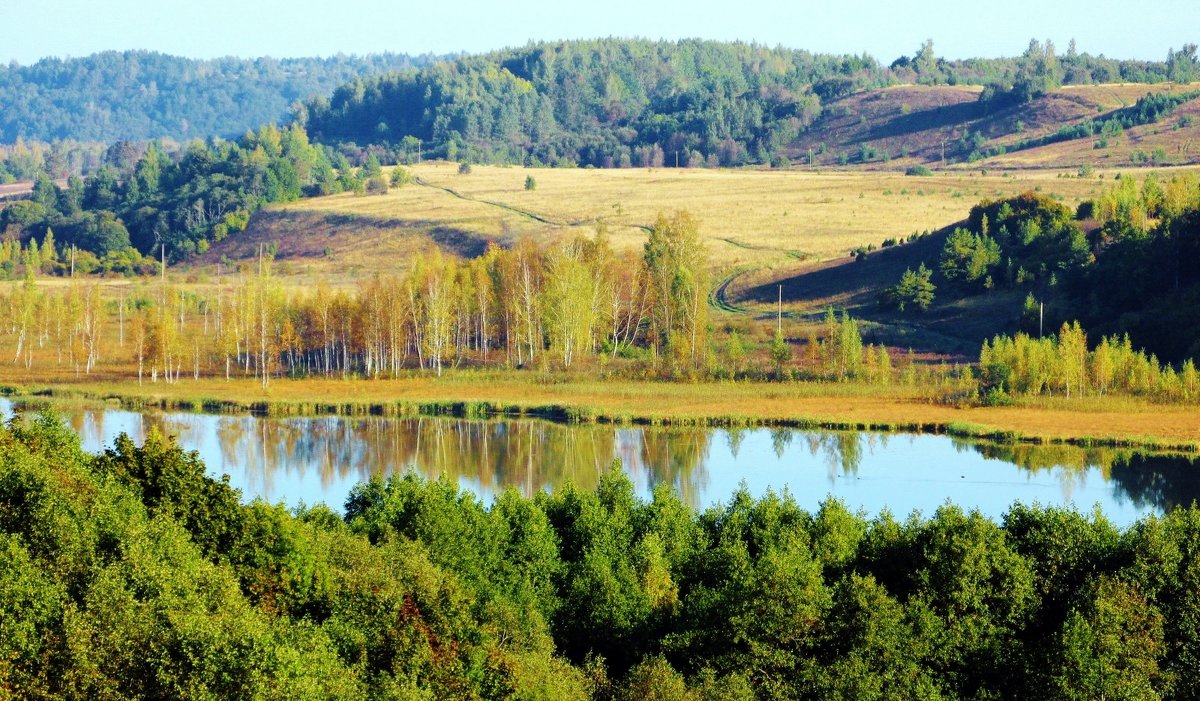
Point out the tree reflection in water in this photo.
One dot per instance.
(269, 457)
(492, 455)
(1148, 480)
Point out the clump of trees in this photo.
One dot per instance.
(1065, 365)
(420, 589)
(1143, 282)
(605, 103)
(182, 202)
(914, 292)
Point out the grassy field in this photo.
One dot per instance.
(752, 218)
(1093, 421)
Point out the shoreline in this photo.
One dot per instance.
(1109, 423)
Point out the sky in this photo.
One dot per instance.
(885, 29)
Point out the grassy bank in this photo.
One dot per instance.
(1089, 422)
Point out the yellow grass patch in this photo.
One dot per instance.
(748, 217)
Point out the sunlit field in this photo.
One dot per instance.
(748, 217)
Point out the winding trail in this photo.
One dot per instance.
(500, 205)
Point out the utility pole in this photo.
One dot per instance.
(676, 158)
(779, 313)
(1041, 317)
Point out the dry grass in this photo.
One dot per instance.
(749, 217)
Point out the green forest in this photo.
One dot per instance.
(620, 103)
(140, 95)
(132, 574)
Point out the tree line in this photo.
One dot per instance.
(606, 102)
(142, 95)
(575, 305)
(523, 307)
(134, 573)
(177, 204)
(620, 103)
(1067, 365)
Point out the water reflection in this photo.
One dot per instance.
(319, 459)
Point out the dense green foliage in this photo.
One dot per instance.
(619, 103)
(1128, 275)
(1145, 282)
(133, 574)
(603, 103)
(139, 95)
(182, 201)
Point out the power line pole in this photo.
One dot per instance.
(779, 313)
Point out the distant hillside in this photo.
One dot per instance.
(614, 103)
(139, 95)
(1071, 126)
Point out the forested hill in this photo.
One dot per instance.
(618, 102)
(139, 95)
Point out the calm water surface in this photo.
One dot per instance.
(312, 460)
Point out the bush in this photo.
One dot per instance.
(401, 177)
(530, 183)
(377, 186)
(919, 170)
(464, 168)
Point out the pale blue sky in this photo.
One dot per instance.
(32, 29)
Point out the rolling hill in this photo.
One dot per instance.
(948, 126)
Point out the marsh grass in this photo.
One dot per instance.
(483, 394)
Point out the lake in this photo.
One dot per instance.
(311, 460)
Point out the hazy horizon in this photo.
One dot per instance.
(304, 28)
